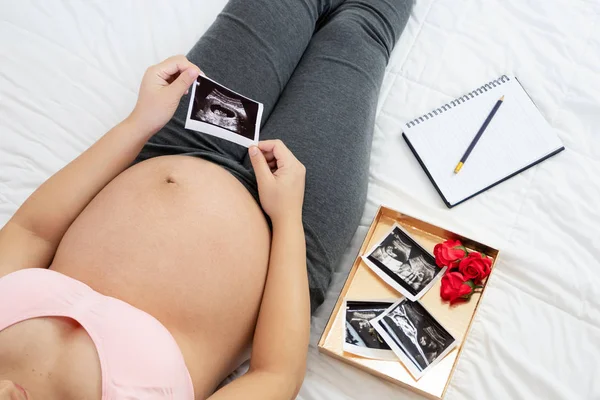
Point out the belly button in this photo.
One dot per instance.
(169, 179)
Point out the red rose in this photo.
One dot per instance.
(455, 288)
(475, 266)
(447, 253)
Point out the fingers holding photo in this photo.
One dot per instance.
(280, 180)
(172, 67)
(160, 92)
(278, 155)
(271, 160)
(280, 160)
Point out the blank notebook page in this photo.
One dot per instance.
(517, 137)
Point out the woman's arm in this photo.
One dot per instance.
(31, 236)
(282, 332)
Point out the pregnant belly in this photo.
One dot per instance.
(183, 240)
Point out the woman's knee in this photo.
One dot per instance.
(379, 21)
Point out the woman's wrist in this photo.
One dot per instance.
(287, 220)
(137, 127)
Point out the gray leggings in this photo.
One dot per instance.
(317, 66)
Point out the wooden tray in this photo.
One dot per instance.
(362, 283)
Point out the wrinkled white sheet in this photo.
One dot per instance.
(69, 71)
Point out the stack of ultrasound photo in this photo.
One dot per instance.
(399, 330)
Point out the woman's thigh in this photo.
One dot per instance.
(326, 117)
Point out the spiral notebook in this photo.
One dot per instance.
(517, 138)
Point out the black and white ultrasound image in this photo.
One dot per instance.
(417, 333)
(403, 260)
(359, 331)
(218, 106)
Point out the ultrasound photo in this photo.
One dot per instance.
(221, 112)
(360, 337)
(403, 264)
(416, 337)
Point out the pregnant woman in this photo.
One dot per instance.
(153, 280)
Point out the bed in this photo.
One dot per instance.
(70, 70)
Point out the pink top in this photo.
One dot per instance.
(138, 356)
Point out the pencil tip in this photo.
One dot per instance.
(502, 98)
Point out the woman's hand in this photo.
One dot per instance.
(280, 177)
(11, 391)
(160, 92)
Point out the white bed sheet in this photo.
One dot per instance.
(69, 71)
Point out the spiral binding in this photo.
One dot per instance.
(459, 100)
